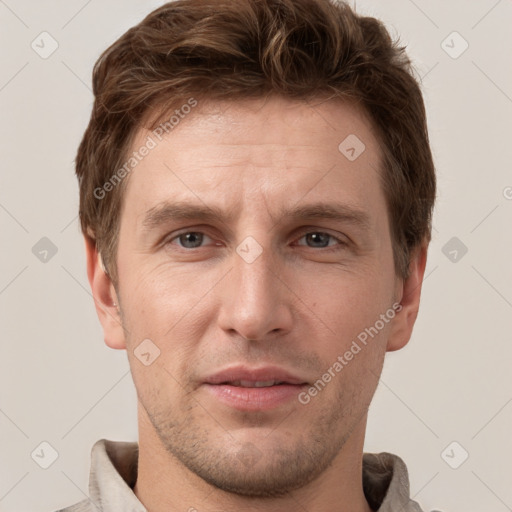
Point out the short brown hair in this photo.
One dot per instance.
(231, 50)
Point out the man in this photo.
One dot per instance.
(256, 191)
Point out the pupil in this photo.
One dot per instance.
(319, 239)
(191, 240)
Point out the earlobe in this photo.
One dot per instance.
(105, 297)
(410, 293)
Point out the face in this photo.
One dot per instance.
(254, 255)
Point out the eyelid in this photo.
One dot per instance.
(184, 228)
(171, 238)
(341, 239)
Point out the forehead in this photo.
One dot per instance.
(232, 151)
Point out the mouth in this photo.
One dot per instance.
(254, 384)
(254, 389)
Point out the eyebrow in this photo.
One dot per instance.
(166, 212)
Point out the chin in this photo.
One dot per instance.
(265, 479)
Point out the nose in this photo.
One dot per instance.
(256, 301)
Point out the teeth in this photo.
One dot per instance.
(257, 384)
(261, 384)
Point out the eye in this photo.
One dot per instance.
(319, 240)
(190, 239)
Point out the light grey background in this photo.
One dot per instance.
(59, 383)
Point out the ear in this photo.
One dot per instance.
(105, 297)
(409, 292)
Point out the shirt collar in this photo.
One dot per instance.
(114, 473)
(386, 483)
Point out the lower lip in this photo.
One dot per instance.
(254, 399)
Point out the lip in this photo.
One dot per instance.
(263, 373)
(254, 399)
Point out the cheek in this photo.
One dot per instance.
(160, 299)
(347, 325)
(344, 301)
(170, 309)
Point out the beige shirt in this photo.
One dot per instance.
(114, 473)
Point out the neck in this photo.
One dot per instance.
(164, 484)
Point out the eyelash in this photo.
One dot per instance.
(340, 243)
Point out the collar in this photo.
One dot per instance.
(114, 473)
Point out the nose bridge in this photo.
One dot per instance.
(253, 268)
(256, 303)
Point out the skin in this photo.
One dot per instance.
(299, 305)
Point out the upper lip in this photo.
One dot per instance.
(260, 374)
